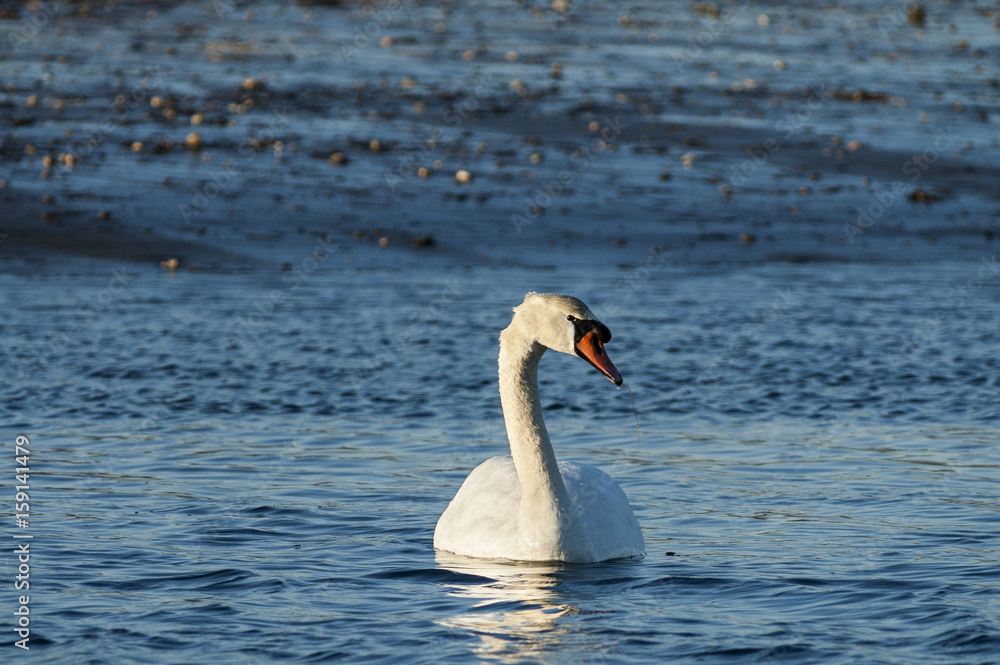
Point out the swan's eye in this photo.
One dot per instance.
(571, 318)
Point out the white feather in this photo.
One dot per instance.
(527, 506)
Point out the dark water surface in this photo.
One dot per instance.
(220, 132)
(786, 213)
(269, 493)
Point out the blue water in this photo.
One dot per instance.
(214, 479)
(242, 462)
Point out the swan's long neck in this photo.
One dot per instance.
(545, 517)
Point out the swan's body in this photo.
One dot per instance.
(527, 506)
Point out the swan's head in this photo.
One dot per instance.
(565, 324)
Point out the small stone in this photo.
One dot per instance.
(747, 238)
(923, 196)
(463, 177)
(383, 242)
(193, 141)
(425, 240)
(170, 264)
(338, 159)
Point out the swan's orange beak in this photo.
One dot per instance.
(591, 348)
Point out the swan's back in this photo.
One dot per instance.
(604, 511)
(481, 520)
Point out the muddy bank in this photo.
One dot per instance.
(235, 135)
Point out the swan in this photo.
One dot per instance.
(526, 506)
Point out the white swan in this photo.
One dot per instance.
(526, 506)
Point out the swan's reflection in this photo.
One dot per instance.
(517, 613)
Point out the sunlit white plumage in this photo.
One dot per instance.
(526, 506)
